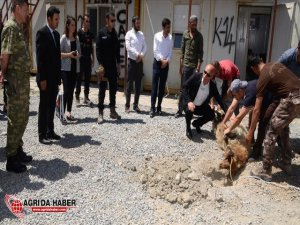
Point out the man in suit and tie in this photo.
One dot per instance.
(48, 75)
(197, 92)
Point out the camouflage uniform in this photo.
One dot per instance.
(287, 110)
(17, 75)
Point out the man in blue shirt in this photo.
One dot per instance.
(291, 59)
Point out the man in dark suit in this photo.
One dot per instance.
(48, 75)
(197, 92)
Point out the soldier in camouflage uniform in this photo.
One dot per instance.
(16, 69)
(284, 85)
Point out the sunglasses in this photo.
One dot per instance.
(112, 21)
(207, 74)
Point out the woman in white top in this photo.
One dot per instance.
(70, 66)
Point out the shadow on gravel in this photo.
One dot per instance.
(33, 113)
(292, 179)
(75, 141)
(125, 121)
(2, 155)
(203, 135)
(52, 170)
(12, 183)
(86, 120)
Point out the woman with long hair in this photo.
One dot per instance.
(70, 66)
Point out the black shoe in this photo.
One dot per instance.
(64, 121)
(151, 113)
(198, 128)
(158, 111)
(45, 141)
(178, 114)
(23, 157)
(71, 118)
(189, 134)
(13, 164)
(136, 109)
(53, 136)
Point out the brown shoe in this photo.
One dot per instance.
(114, 114)
(265, 174)
(100, 117)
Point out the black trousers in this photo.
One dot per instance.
(187, 73)
(86, 71)
(135, 74)
(159, 80)
(113, 85)
(47, 109)
(204, 111)
(4, 92)
(69, 82)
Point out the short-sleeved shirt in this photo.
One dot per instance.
(278, 80)
(86, 42)
(250, 94)
(14, 44)
(229, 70)
(191, 49)
(289, 59)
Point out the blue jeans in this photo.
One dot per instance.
(159, 80)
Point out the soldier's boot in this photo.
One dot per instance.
(100, 117)
(263, 172)
(287, 168)
(23, 157)
(114, 114)
(13, 164)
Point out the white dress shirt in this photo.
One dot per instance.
(135, 44)
(202, 94)
(162, 46)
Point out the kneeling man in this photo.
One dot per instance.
(197, 92)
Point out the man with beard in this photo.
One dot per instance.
(191, 56)
(136, 50)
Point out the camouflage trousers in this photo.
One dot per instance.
(17, 92)
(287, 110)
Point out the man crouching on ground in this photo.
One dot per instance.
(197, 92)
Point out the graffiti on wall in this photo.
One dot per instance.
(223, 32)
(121, 30)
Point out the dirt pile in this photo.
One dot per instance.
(184, 182)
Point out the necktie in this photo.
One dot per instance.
(53, 38)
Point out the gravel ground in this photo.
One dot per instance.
(101, 165)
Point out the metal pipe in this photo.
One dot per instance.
(272, 31)
(76, 11)
(190, 10)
